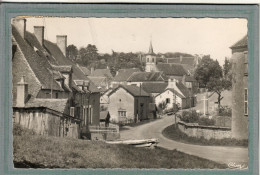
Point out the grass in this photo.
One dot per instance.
(35, 151)
(174, 133)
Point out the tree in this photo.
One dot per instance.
(210, 74)
(207, 69)
(88, 54)
(72, 52)
(227, 69)
(218, 85)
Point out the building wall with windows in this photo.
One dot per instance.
(169, 98)
(121, 106)
(240, 95)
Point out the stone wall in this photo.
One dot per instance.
(208, 132)
(46, 122)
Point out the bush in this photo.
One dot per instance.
(190, 116)
(225, 111)
(206, 121)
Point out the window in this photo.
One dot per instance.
(57, 95)
(122, 113)
(246, 102)
(72, 109)
(120, 100)
(90, 116)
(168, 100)
(153, 60)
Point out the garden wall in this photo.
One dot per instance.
(208, 132)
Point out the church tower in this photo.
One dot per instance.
(150, 60)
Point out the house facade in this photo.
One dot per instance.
(50, 80)
(128, 104)
(240, 100)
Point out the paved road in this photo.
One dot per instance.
(216, 153)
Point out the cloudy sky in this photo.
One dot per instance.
(188, 35)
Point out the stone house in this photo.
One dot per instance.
(122, 76)
(175, 94)
(128, 103)
(50, 75)
(240, 100)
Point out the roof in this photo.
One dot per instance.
(171, 69)
(132, 89)
(102, 73)
(62, 68)
(182, 60)
(154, 87)
(241, 43)
(146, 76)
(175, 92)
(150, 52)
(124, 74)
(103, 115)
(37, 59)
(54, 104)
(85, 70)
(100, 82)
(77, 74)
(185, 91)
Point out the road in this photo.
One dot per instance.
(154, 129)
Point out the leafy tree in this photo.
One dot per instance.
(88, 54)
(210, 75)
(207, 69)
(227, 69)
(72, 52)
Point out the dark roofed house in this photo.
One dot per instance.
(122, 76)
(102, 73)
(50, 80)
(128, 103)
(240, 46)
(84, 69)
(154, 88)
(172, 69)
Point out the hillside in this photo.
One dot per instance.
(34, 151)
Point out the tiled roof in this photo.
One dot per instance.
(185, 91)
(124, 74)
(37, 61)
(85, 70)
(171, 69)
(133, 90)
(62, 60)
(102, 73)
(100, 82)
(154, 87)
(184, 60)
(54, 104)
(175, 92)
(241, 43)
(146, 76)
(62, 68)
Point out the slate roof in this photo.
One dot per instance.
(37, 59)
(54, 104)
(62, 60)
(124, 74)
(102, 73)
(154, 87)
(241, 43)
(132, 89)
(171, 69)
(146, 76)
(185, 91)
(62, 68)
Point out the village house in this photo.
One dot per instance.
(51, 75)
(128, 103)
(175, 94)
(41, 94)
(154, 88)
(240, 110)
(122, 76)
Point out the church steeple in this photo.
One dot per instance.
(151, 48)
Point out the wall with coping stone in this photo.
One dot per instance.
(208, 132)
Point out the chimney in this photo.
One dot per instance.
(22, 93)
(62, 43)
(171, 83)
(20, 25)
(39, 33)
(181, 58)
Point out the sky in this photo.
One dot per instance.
(204, 36)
